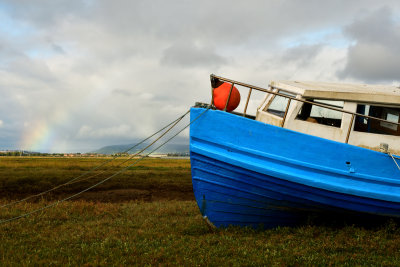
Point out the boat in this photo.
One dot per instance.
(310, 148)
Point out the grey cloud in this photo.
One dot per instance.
(190, 55)
(121, 92)
(302, 54)
(157, 56)
(57, 48)
(33, 69)
(46, 14)
(377, 27)
(217, 23)
(375, 54)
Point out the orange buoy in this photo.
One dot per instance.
(220, 96)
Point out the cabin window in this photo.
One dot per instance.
(278, 104)
(363, 124)
(322, 115)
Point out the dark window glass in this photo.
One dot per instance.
(322, 115)
(363, 124)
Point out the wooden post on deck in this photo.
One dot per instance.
(286, 111)
(247, 102)
(349, 130)
(229, 97)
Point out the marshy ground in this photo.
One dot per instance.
(148, 216)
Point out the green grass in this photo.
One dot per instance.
(165, 231)
(21, 177)
(172, 232)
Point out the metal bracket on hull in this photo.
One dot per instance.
(203, 207)
(351, 169)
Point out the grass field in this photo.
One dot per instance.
(147, 216)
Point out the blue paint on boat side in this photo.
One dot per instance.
(246, 172)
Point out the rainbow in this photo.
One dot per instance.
(41, 134)
(37, 136)
(44, 134)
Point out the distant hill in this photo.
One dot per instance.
(168, 148)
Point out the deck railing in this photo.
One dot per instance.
(215, 79)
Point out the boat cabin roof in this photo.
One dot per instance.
(341, 91)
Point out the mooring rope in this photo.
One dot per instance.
(398, 167)
(76, 179)
(106, 179)
(137, 153)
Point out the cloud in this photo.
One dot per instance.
(302, 54)
(86, 132)
(375, 54)
(104, 72)
(57, 48)
(184, 54)
(121, 92)
(306, 62)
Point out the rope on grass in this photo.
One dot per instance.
(76, 179)
(108, 178)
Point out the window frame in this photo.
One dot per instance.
(279, 113)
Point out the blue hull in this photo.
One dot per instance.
(249, 173)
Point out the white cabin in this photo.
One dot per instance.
(382, 102)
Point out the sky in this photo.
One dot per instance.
(79, 75)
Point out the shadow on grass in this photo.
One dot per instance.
(337, 220)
